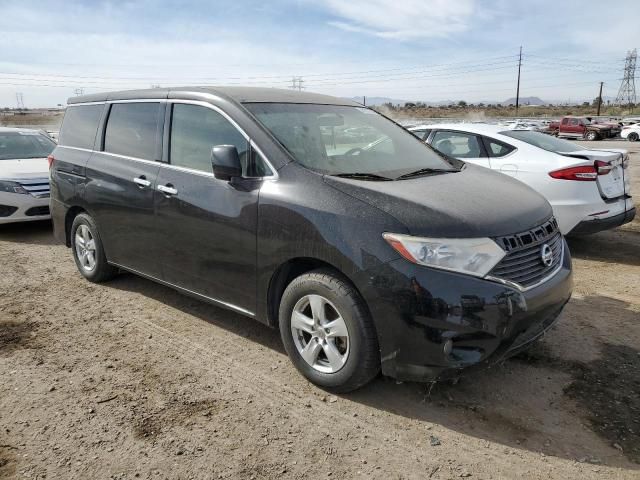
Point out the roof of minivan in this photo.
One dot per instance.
(237, 94)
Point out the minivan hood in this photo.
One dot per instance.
(474, 202)
(24, 168)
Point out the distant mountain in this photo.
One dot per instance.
(371, 101)
(525, 101)
(375, 101)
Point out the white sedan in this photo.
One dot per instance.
(631, 132)
(24, 175)
(588, 189)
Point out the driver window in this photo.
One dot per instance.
(457, 144)
(195, 130)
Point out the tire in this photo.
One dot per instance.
(358, 357)
(633, 137)
(591, 136)
(85, 239)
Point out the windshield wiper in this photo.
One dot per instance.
(424, 171)
(363, 176)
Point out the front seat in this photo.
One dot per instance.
(446, 147)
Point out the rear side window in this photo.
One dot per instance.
(195, 130)
(80, 126)
(497, 149)
(457, 144)
(132, 130)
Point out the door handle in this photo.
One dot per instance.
(167, 189)
(141, 181)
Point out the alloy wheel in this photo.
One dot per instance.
(320, 333)
(85, 248)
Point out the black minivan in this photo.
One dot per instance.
(369, 250)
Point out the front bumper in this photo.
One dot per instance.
(588, 227)
(18, 207)
(416, 310)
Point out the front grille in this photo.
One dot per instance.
(36, 211)
(523, 263)
(7, 210)
(38, 187)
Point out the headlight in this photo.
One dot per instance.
(12, 187)
(473, 256)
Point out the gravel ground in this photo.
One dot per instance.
(130, 379)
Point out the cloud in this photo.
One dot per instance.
(402, 20)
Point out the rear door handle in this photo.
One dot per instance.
(141, 181)
(167, 189)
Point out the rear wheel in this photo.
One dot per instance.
(327, 331)
(633, 137)
(88, 251)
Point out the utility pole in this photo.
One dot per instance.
(627, 92)
(518, 88)
(364, 100)
(20, 101)
(296, 83)
(79, 91)
(599, 99)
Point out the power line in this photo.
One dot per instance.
(407, 70)
(319, 82)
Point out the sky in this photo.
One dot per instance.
(417, 50)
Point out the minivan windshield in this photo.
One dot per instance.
(349, 141)
(18, 145)
(544, 141)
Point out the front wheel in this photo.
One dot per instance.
(633, 137)
(328, 333)
(591, 136)
(88, 251)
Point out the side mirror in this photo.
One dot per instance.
(226, 162)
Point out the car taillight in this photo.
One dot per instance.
(603, 168)
(586, 173)
(51, 159)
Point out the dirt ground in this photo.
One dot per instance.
(130, 379)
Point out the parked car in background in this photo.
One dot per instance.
(524, 125)
(24, 175)
(630, 121)
(584, 127)
(394, 258)
(631, 132)
(588, 189)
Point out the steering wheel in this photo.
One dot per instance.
(354, 151)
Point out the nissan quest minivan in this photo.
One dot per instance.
(366, 248)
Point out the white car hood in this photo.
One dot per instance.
(24, 168)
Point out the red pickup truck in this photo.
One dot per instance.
(584, 127)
